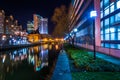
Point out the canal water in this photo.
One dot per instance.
(32, 63)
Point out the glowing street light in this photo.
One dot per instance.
(93, 14)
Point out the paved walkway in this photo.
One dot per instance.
(62, 69)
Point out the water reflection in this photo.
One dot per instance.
(12, 61)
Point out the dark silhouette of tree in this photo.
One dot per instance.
(60, 20)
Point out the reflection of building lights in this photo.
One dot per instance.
(4, 37)
(56, 47)
(50, 47)
(4, 57)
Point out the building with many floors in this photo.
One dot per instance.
(43, 28)
(104, 28)
(30, 27)
(40, 24)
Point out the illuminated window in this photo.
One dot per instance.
(101, 14)
(117, 17)
(119, 36)
(118, 4)
(107, 30)
(101, 31)
(107, 22)
(112, 20)
(106, 11)
(112, 7)
(106, 2)
(106, 36)
(113, 36)
(101, 24)
(112, 29)
(101, 37)
(101, 4)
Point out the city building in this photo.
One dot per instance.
(2, 16)
(36, 19)
(43, 28)
(30, 27)
(40, 24)
(102, 30)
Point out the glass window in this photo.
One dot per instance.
(117, 17)
(107, 45)
(106, 2)
(102, 31)
(106, 36)
(101, 24)
(101, 37)
(112, 37)
(101, 15)
(102, 44)
(101, 4)
(107, 22)
(113, 45)
(112, 29)
(112, 20)
(107, 30)
(112, 7)
(118, 29)
(118, 35)
(118, 4)
(106, 11)
(118, 46)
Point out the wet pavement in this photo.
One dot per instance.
(62, 69)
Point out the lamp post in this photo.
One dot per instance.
(93, 14)
(75, 30)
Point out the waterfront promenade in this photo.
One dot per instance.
(62, 68)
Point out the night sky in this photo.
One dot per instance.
(23, 10)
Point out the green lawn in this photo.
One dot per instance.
(91, 69)
(95, 76)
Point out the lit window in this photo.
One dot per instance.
(107, 45)
(118, 46)
(112, 29)
(106, 36)
(119, 29)
(106, 2)
(112, 20)
(101, 4)
(101, 24)
(118, 4)
(107, 22)
(117, 17)
(101, 37)
(119, 36)
(107, 30)
(113, 46)
(107, 11)
(112, 7)
(101, 31)
(112, 36)
(101, 14)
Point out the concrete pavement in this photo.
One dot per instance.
(62, 69)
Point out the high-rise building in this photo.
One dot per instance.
(40, 24)
(2, 16)
(30, 27)
(36, 19)
(106, 24)
(43, 28)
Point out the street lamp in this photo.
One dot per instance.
(75, 30)
(93, 14)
